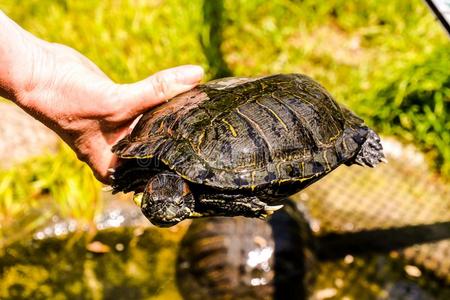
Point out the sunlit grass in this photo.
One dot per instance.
(129, 40)
(415, 106)
(34, 191)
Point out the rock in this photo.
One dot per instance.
(22, 136)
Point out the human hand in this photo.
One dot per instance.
(71, 95)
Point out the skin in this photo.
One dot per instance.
(168, 199)
(69, 94)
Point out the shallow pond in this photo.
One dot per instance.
(210, 263)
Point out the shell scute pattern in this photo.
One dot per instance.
(244, 133)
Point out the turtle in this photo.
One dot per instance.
(248, 258)
(238, 146)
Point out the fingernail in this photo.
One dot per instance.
(189, 74)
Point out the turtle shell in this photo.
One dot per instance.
(245, 258)
(248, 132)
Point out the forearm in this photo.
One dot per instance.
(71, 95)
(17, 48)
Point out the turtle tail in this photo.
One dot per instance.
(371, 152)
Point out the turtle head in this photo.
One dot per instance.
(166, 200)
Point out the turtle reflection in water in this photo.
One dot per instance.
(238, 146)
(240, 258)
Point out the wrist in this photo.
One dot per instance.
(18, 52)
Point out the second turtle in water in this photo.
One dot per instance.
(238, 146)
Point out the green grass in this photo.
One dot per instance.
(415, 106)
(387, 60)
(35, 190)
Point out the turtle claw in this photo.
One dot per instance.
(270, 209)
(194, 215)
(107, 188)
(384, 160)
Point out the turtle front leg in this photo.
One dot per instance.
(166, 200)
(229, 206)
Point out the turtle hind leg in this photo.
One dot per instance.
(227, 206)
(370, 153)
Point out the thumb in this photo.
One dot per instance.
(159, 87)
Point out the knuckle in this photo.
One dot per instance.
(161, 85)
